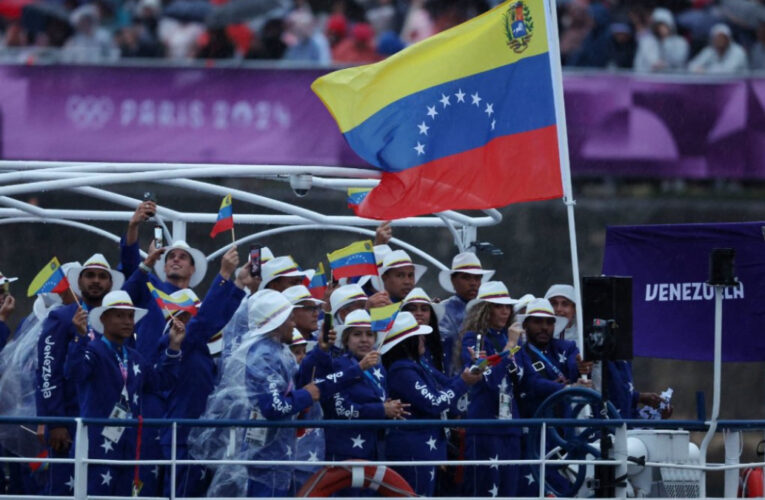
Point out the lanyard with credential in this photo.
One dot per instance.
(545, 360)
(123, 362)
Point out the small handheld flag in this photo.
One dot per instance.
(356, 196)
(357, 259)
(318, 284)
(383, 317)
(169, 303)
(225, 220)
(50, 279)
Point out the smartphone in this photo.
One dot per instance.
(158, 243)
(255, 260)
(150, 196)
(326, 327)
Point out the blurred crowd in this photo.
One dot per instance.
(711, 36)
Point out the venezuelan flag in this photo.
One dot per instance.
(464, 119)
(318, 284)
(357, 259)
(383, 317)
(169, 304)
(356, 196)
(50, 279)
(225, 220)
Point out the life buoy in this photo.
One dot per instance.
(384, 480)
(751, 483)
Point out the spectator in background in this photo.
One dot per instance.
(722, 55)
(358, 48)
(382, 16)
(594, 51)
(304, 43)
(621, 46)
(216, 45)
(576, 25)
(389, 43)
(660, 48)
(145, 31)
(418, 25)
(179, 37)
(757, 52)
(268, 43)
(336, 29)
(90, 43)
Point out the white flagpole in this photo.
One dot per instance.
(551, 20)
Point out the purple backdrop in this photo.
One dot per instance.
(618, 124)
(673, 310)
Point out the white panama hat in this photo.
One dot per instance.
(45, 303)
(297, 338)
(200, 262)
(399, 258)
(541, 308)
(282, 266)
(465, 262)
(117, 299)
(266, 311)
(344, 295)
(494, 292)
(404, 326)
(299, 293)
(523, 302)
(96, 261)
(356, 319)
(417, 295)
(558, 290)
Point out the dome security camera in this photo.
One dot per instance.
(301, 184)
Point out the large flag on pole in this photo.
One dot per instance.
(462, 120)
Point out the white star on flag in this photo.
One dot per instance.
(530, 477)
(432, 111)
(494, 490)
(520, 372)
(313, 456)
(136, 369)
(289, 451)
(494, 459)
(460, 95)
(562, 357)
(503, 385)
(420, 148)
(444, 100)
(431, 443)
(358, 442)
(106, 478)
(107, 446)
(423, 128)
(432, 474)
(70, 483)
(135, 398)
(377, 372)
(489, 109)
(476, 99)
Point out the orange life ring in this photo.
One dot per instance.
(384, 480)
(751, 483)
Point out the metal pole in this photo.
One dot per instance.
(80, 466)
(716, 390)
(543, 456)
(173, 457)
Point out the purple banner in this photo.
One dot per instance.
(622, 125)
(673, 308)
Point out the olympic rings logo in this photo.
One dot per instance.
(89, 112)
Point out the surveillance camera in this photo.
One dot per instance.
(301, 184)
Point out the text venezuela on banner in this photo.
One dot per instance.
(462, 120)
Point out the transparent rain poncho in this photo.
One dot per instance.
(258, 370)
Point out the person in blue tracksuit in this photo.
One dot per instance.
(418, 303)
(486, 332)
(430, 395)
(56, 396)
(112, 380)
(463, 280)
(7, 306)
(175, 267)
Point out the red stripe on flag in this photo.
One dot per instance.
(61, 287)
(354, 270)
(509, 169)
(221, 226)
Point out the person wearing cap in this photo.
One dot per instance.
(487, 331)
(418, 303)
(661, 48)
(563, 300)
(722, 56)
(463, 280)
(112, 380)
(7, 306)
(176, 267)
(306, 312)
(367, 398)
(57, 396)
(399, 274)
(430, 394)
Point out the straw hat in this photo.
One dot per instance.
(266, 311)
(404, 326)
(465, 262)
(96, 261)
(199, 259)
(541, 308)
(399, 258)
(117, 299)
